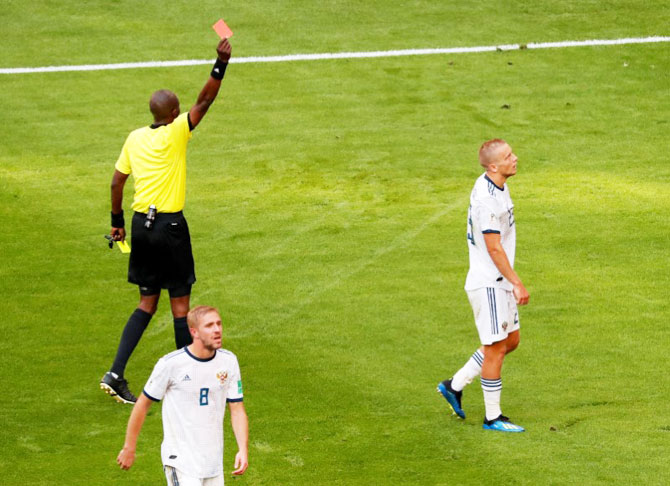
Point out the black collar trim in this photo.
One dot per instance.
(203, 360)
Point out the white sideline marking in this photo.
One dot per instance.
(339, 55)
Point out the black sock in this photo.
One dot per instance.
(137, 323)
(182, 336)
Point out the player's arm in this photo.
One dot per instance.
(118, 231)
(240, 424)
(127, 455)
(499, 257)
(211, 88)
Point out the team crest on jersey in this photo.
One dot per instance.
(222, 376)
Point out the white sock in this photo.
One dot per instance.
(492, 390)
(469, 372)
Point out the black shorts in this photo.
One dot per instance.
(161, 258)
(173, 291)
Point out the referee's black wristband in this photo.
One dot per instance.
(219, 69)
(118, 221)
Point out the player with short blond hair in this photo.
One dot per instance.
(195, 383)
(493, 287)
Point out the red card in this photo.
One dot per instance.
(222, 29)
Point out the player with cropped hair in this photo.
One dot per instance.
(195, 384)
(493, 287)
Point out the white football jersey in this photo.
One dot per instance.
(491, 211)
(194, 394)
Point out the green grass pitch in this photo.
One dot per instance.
(327, 203)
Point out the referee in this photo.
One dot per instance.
(161, 256)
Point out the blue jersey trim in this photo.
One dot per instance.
(496, 185)
(199, 359)
(149, 396)
(486, 232)
(234, 400)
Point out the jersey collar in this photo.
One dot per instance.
(203, 360)
(496, 185)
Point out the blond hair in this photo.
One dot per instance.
(487, 149)
(194, 315)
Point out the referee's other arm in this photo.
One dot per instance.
(195, 115)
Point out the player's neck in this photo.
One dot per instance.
(497, 178)
(200, 351)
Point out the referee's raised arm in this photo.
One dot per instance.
(211, 88)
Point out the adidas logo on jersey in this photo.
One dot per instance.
(186, 378)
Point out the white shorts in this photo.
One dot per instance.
(495, 313)
(177, 478)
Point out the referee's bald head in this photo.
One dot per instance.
(164, 105)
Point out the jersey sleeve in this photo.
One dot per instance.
(180, 129)
(234, 392)
(158, 381)
(123, 162)
(487, 216)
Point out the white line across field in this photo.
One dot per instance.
(340, 55)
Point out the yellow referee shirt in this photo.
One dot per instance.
(157, 159)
